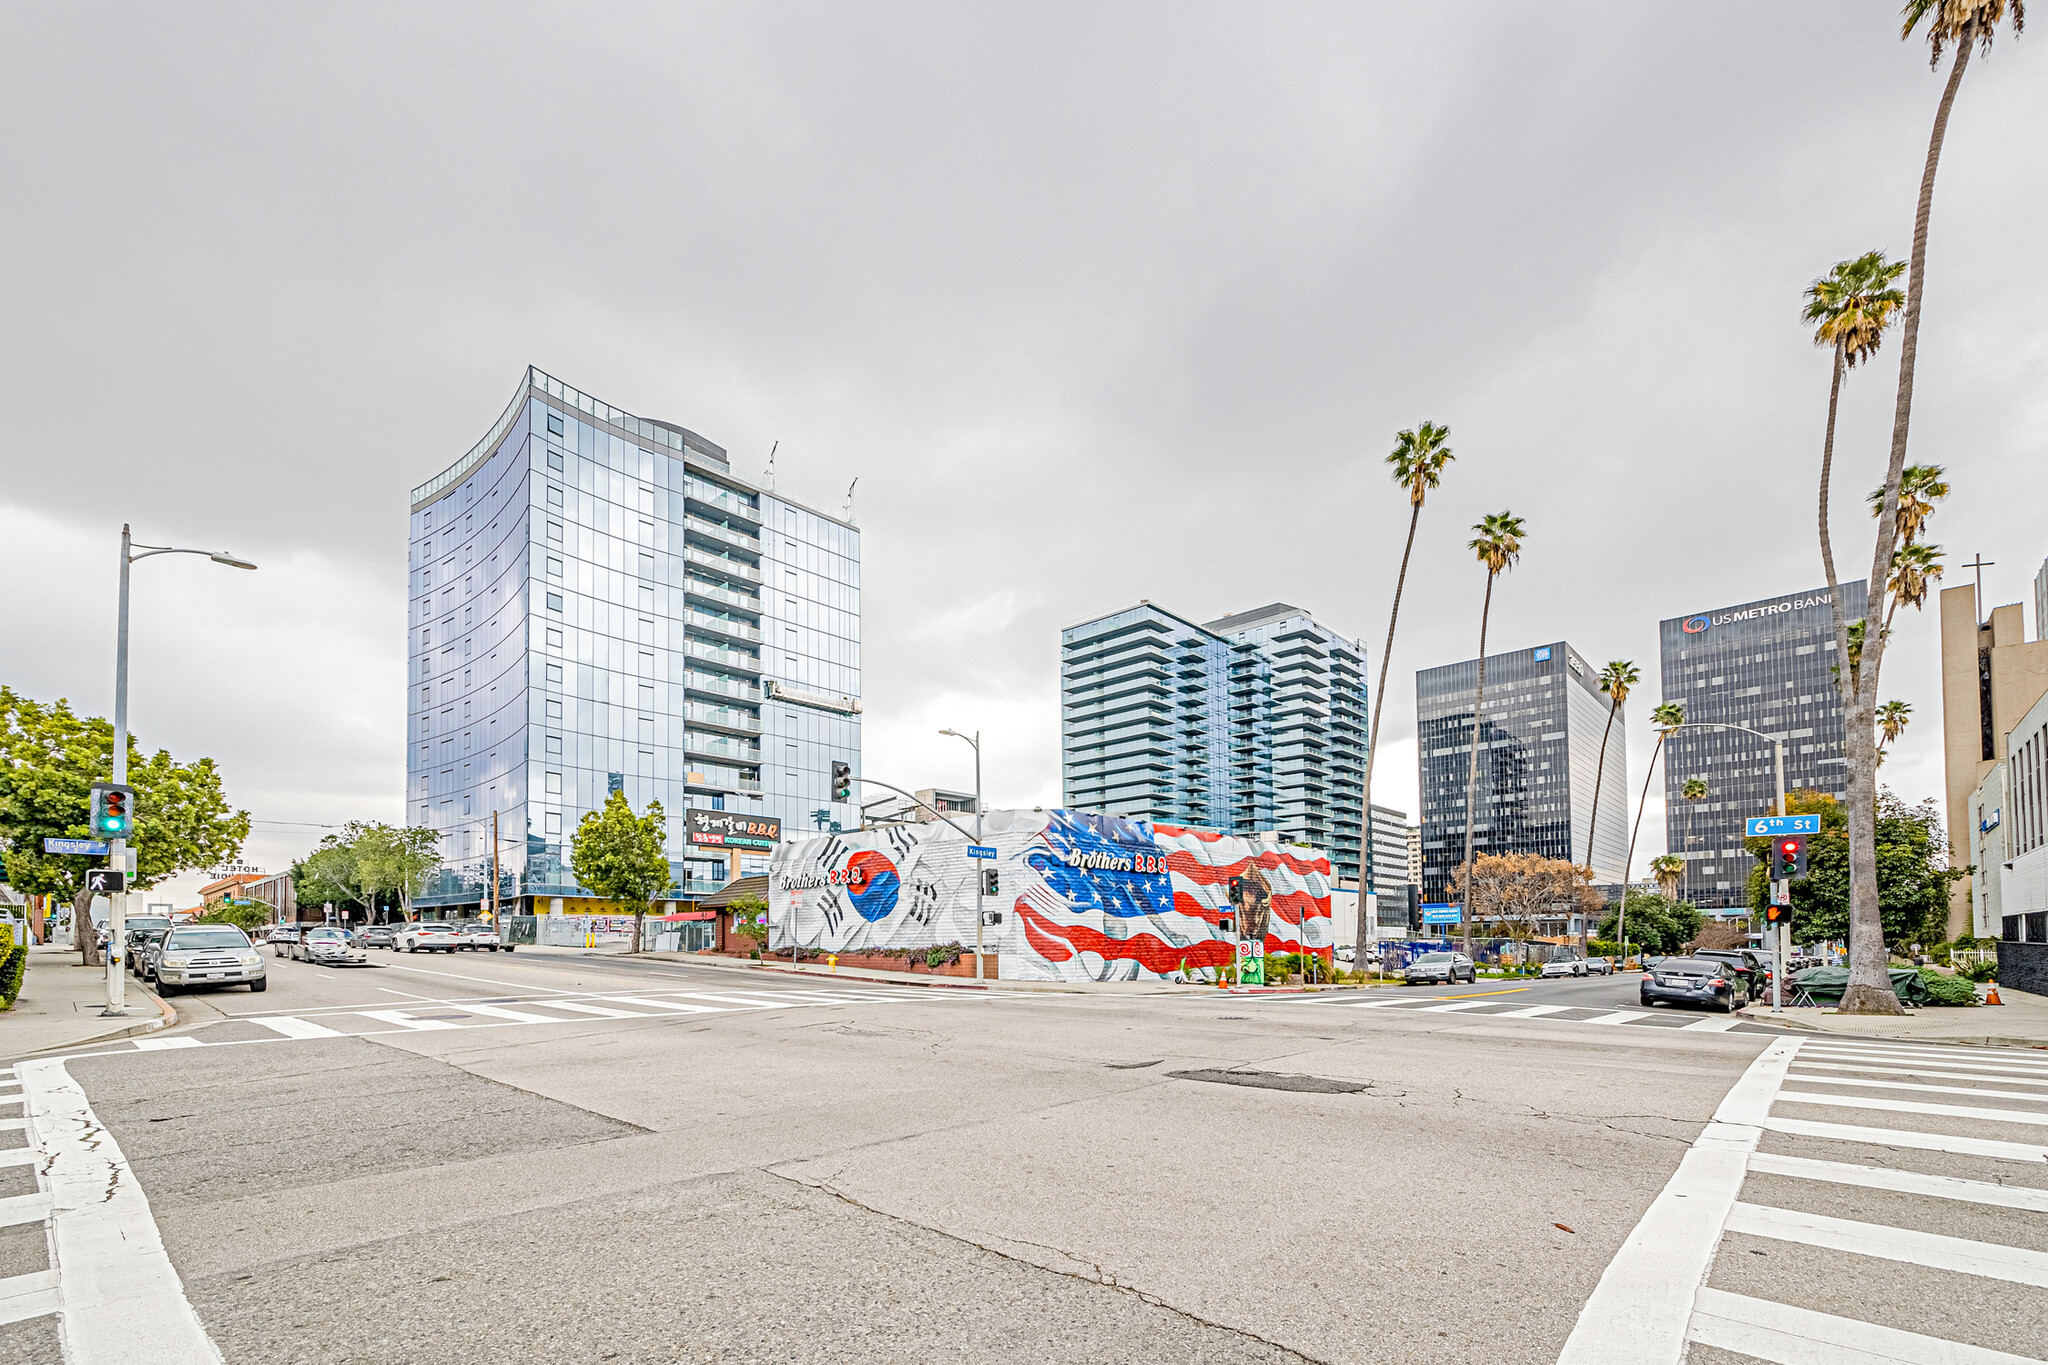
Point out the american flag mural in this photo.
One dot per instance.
(1084, 897)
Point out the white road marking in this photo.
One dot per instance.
(1811, 1065)
(1975, 1059)
(164, 1044)
(1987, 1259)
(512, 986)
(1618, 1017)
(1531, 1011)
(1952, 1111)
(28, 1296)
(1902, 1182)
(404, 1020)
(516, 1016)
(1710, 1025)
(1456, 1005)
(408, 995)
(747, 1002)
(1799, 1336)
(120, 1299)
(291, 1027)
(1870, 1084)
(599, 1011)
(1904, 1137)
(1640, 1311)
(672, 1006)
(24, 1208)
(17, 1156)
(12, 1125)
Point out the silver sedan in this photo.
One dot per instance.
(329, 946)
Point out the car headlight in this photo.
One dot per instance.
(251, 959)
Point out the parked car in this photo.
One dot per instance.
(1440, 968)
(329, 945)
(1754, 972)
(1600, 966)
(1563, 966)
(282, 936)
(1695, 981)
(479, 937)
(194, 955)
(428, 936)
(141, 933)
(378, 936)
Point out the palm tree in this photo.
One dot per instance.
(1419, 458)
(1498, 544)
(1667, 718)
(1852, 305)
(1892, 719)
(1920, 487)
(1914, 571)
(1967, 24)
(1667, 868)
(1615, 680)
(1694, 791)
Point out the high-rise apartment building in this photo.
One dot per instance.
(1249, 723)
(1765, 667)
(1390, 883)
(1540, 734)
(599, 604)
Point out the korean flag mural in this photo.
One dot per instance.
(1083, 897)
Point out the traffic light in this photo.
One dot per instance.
(991, 884)
(1788, 859)
(113, 811)
(1777, 916)
(842, 781)
(1237, 891)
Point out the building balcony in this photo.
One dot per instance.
(722, 718)
(708, 592)
(723, 499)
(725, 658)
(720, 535)
(719, 746)
(722, 625)
(737, 571)
(719, 686)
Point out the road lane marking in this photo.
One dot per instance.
(1641, 1311)
(1618, 1017)
(164, 1044)
(1454, 1006)
(24, 1208)
(120, 1299)
(1977, 1059)
(1866, 1082)
(28, 1296)
(404, 1020)
(1919, 1071)
(1909, 1138)
(516, 1016)
(1710, 1025)
(671, 1006)
(1989, 1260)
(1472, 995)
(1949, 1111)
(599, 1011)
(1902, 1182)
(1800, 1336)
(292, 1027)
(1532, 1012)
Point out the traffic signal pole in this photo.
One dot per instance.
(117, 850)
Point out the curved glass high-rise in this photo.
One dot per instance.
(598, 603)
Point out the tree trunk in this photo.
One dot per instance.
(1372, 737)
(1870, 987)
(83, 936)
(1599, 776)
(1472, 768)
(636, 931)
(1621, 915)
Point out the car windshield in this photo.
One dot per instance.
(1687, 964)
(1432, 957)
(211, 937)
(437, 928)
(327, 934)
(147, 922)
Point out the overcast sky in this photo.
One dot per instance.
(1098, 302)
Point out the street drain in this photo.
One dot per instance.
(1273, 1080)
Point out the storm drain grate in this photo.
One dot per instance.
(1273, 1080)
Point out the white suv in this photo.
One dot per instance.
(192, 955)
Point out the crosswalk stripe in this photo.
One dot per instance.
(292, 1027)
(1950, 1111)
(28, 1296)
(1902, 1182)
(1986, 1259)
(1918, 1071)
(17, 1156)
(165, 1044)
(1870, 1084)
(746, 1002)
(1974, 1059)
(1909, 1138)
(405, 1020)
(1617, 1017)
(13, 1125)
(1787, 1335)
(1962, 1051)
(1710, 1025)
(516, 1016)
(1455, 1005)
(1531, 1011)
(597, 1011)
(671, 1006)
(24, 1208)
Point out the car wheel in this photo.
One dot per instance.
(259, 984)
(1648, 1003)
(166, 990)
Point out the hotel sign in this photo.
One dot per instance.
(730, 829)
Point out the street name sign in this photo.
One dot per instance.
(980, 851)
(1771, 826)
(76, 848)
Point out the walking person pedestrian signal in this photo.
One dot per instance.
(842, 781)
(1788, 859)
(113, 810)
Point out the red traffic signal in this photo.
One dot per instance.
(1788, 859)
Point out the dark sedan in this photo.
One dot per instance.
(1751, 967)
(378, 936)
(1695, 981)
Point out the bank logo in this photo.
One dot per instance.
(1693, 625)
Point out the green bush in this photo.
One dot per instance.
(12, 967)
(1980, 972)
(6, 937)
(1947, 990)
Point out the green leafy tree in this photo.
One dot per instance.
(335, 871)
(244, 915)
(399, 858)
(49, 758)
(1498, 544)
(622, 856)
(1912, 865)
(750, 918)
(1656, 923)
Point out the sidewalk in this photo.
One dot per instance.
(1153, 986)
(60, 1006)
(2022, 1021)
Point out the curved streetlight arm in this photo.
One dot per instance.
(1778, 744)
(870, 782)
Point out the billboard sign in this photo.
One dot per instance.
(732, 829)
(1439, 914)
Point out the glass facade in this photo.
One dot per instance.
(599, 604)
(1249, 723)
(1769, 666)
(1540, 754)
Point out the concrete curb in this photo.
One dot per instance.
(166, 1017)
(1786, 1021)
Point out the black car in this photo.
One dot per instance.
(1697, 980)
(1754, 971)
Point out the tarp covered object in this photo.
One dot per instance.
(1083, 897)
(1826, 985)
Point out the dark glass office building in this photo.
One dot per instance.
(1539, 755)
(1768, 666)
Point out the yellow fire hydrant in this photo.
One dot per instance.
(832, 962)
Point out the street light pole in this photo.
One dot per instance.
(978, 878)
(1777, 939)
(117, 851)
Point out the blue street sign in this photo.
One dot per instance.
(1439, 914)
(76, 848)
(1771, 826)
(980, 851)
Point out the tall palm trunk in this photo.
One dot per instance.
(1870, 987)
(1366, 881)
(1472, 769)
(1628, 865)
(1599, 776)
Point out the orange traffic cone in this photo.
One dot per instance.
(1991, 994)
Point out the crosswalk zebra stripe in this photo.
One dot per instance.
(1949, 1111)
(28, 1296)
(1870, 1084)
(1906, 1137)
(292, 1027)
(1787, 1335)
(670, 1006)
(1917, 1071)
(1988, 1260)
(1975, 1059)
(596, 1011)
(1901, 1182)
(516, 1016)
(1531, 1011)
(164, 1044)
(24, 1208)
(406, 1020)
(1710, 1025)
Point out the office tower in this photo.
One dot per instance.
(1248, 723)
(1539, 750)
(599, 604)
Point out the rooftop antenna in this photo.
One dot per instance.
(849, 498)
(771, 465)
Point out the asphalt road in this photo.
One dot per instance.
(489, 1158)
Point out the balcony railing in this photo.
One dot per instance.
(717, 746)
(736, 688)
(725, 500)
(730, 658)
(723, 625)
(722, 718)
(697, 587)
(720, 564)
(724, 535)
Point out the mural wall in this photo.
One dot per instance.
(1083, 897)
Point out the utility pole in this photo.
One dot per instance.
(979, 879)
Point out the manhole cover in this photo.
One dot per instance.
(1273, 1080)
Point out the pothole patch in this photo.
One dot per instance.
(1274, 1080)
